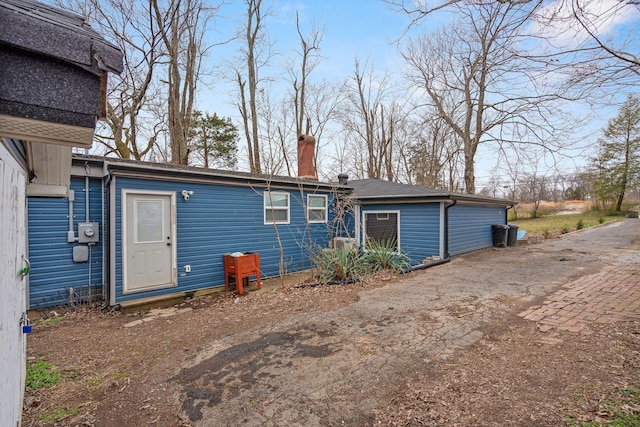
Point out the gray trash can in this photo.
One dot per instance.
(499, 233)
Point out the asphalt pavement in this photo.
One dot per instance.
(335, 368)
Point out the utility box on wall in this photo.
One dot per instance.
(88, 232)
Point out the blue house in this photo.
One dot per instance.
(128, 232)
(428, 225)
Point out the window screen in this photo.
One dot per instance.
(382, 227)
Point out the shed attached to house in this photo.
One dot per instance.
(162, 230)
(424, 223)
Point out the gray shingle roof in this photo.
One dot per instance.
(376, 189)
(145, 169)
(48, 31)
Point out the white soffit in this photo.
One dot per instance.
(51, 165)
(48, 132)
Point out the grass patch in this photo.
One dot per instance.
(41, 374)
(52, 321)
(546, 225)
(619, 410)
(58, 413)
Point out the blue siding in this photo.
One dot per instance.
(419, 228)
(220, 219)
(470, 226)
(53, 271)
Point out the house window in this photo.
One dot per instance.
(148, 219)
(382, 228)
(316, 208)
(276, 207)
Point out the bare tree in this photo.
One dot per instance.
(163, 46)
(255, 54)
(592, 58)
(586, 42)
(182, 26)
(128, 23)
(471, 73)
(434, 148)
(370, 117)
(308, 62)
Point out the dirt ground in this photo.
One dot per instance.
(442, 346)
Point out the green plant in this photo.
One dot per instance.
(565, 230)
(52, 321)
(618, 408)
(546, 233)
(601, 220)
(580, 225)
(385, 256)
(58, 413)
(337, 264)
(41, 374)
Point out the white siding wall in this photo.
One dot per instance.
(12, 288)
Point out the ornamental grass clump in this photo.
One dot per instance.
(384, 255)
(338, 264)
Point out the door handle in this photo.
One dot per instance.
(168, 241)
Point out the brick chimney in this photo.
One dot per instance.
(306, 151)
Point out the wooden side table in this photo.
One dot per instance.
(240, 268)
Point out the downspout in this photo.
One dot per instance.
(86, 218)
(106, 234)
(447, 256)
(506, 213)
(104, 244)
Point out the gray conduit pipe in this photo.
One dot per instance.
(71, 234)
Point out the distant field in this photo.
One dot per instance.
(559, 224)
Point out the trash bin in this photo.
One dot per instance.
(512, 235)
(499, 233)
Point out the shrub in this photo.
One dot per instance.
(580, 225)
(601, 220)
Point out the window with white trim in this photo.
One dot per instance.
(382, 228)
(276, 207)
(316, 208)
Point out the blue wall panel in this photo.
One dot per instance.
(220, 219)
(53, 271)
(470, 226)
(419, 228)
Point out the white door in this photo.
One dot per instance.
(148, 241)
(12, 288)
